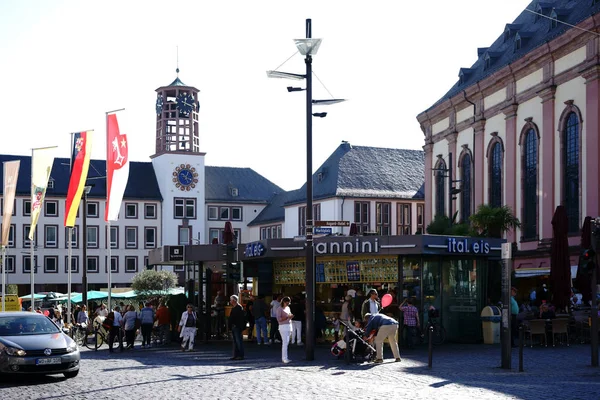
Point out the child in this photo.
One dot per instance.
(336, 327)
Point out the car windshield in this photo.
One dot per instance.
(29, 325)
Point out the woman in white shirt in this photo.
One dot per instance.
(284, 319)
(57, 319)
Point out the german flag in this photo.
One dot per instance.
(82, 151)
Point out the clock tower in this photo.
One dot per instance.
(178, 163)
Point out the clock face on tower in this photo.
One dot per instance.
(185, 177)
(185, 103)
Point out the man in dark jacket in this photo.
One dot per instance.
(237, 323)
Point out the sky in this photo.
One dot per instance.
(64, 63)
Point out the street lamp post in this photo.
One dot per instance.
(308, 47)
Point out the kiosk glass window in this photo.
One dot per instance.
(411, 278)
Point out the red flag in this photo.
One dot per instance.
(117, 167)
(82, 151)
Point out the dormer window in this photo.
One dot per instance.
(517, 42)
(320, 177)
(234, 192)
(554, 19)
(51, 183)
(487, 61)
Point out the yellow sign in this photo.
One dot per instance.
(11, 303)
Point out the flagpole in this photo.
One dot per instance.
(3, 275)
(107, 221)
(31, 262)
(69, 266)
(109, 266)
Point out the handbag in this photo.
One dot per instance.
(138, 323)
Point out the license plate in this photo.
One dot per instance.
(47, 361)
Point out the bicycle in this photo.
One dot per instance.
(98, 336)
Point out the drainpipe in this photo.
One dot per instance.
(342, 213)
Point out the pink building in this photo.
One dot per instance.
(521, 128)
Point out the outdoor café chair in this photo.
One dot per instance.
(537, 327)
(560, 326)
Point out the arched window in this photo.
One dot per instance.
(571, 170)
(496, 176)
(440, 188)
(465, 205)
(530, 189)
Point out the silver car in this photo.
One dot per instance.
(30, 343)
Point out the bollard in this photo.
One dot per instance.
(430, 346)
(521, 337)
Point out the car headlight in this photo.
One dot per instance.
(11, 351)
(72, 347)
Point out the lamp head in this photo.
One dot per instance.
(294, 89)
(308, 46)
(320, 115)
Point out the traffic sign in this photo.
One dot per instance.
(322, 230)
(332, 223)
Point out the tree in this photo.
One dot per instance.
(150, 283)
(442, 225)
(493, 222)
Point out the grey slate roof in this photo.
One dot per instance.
(142, 182)
(533, 34)
(252, 187)
(357, 171)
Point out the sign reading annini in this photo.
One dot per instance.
(350, 246)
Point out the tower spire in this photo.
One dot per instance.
(177, 70)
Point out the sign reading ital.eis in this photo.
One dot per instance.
(332, 223)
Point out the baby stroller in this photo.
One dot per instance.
(359, 350)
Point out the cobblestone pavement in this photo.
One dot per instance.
(459, 372)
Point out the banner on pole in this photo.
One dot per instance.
(82, 151)
(117, 167)
(11, 175)
(41, 165)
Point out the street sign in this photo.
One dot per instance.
(176, 254)
(322, 231)
(332, 223)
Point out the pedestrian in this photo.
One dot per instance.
(250, 316)
(346, 314)
(147, 321)
(371, 305)
(163, 321)
(386, 327)
(411, 321)
(259, 311)
(297, 309)
(123, 308)
(58, 320)
(187, 328)
(82, 317)
(274, 335)
(284, 321)
(219, 305)
(102, 311)
(356, 305)
(237, 324)
(514, 312)
(129, 324)
(115, 328)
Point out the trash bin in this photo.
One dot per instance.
(490, 320)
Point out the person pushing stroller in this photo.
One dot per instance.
(386, 327)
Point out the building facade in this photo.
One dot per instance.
(521, 128)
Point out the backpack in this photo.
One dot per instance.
(108, 321)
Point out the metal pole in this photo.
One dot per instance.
(430, 340)
(521, 337)
(3, 276)
(110, 266)
(450, 188)
(84, 253)
(310, 270)
(31, 270)
(505, 335)
(69, 267)
(594, 313)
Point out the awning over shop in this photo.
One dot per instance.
(531, 272)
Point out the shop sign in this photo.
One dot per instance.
(254, 250)
(348, 247)
(468, 246)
